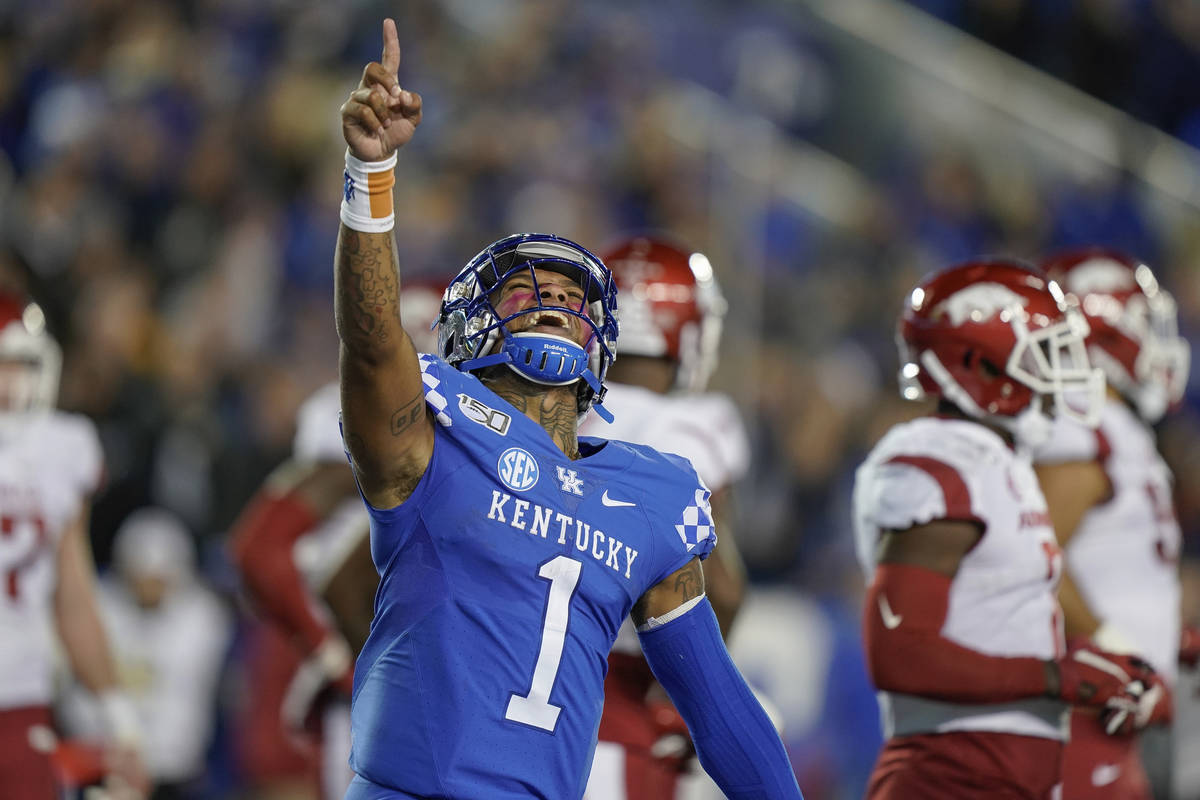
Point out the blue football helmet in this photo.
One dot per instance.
(473, 335)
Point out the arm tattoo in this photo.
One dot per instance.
(686, 584)
(689, 582)
(408, 415)
(368, 287)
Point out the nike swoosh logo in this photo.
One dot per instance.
(608, 501)
(890, 621)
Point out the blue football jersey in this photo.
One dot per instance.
(504, 579)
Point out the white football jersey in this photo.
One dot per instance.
(321, 551)
(705, 428)
(49, 467)
(1003, 599)
(1125, 555)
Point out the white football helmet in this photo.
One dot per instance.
(30, 359)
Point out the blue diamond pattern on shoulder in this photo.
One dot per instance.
(695, 524)
(436, 400)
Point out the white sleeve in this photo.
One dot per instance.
(897, 494)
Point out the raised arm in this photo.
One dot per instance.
(384, 421)
(735, 741)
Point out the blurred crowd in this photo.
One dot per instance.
(170, 174)
(1138, 55)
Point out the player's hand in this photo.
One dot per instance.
(1089, 676)
(673, 743)
(95, 771)
(330, 665)
(380, 116)
(1189, 646)
(1145, 702)
(125, 777)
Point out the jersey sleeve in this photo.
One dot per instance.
(908, 490)
(1072, 441)
(683, 510)
(318, 434)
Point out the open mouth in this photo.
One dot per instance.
(549, 319)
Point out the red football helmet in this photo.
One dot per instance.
(30, 359)
(670, 306)
(991, 336)
(420, 304)
(1134, 327)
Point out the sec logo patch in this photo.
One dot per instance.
(518, 469)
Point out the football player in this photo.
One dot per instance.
(671, 316)
(302, 549)
(962, 627)
(509, 548)
(1109, 493)
(50, 465)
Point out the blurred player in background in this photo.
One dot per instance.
(961, 623)
(494, 525)
(671, 311)
(304, 555)
(170, 635)
(1110, 499)
(50, 465)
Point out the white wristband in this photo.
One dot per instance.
(121, 718)
(367, 194)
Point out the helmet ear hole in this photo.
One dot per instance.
(989, 369)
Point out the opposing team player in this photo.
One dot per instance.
(301, 547)
(961, 624)
(510, 549)
(671, 316)
(50, 464)
(1109, 494)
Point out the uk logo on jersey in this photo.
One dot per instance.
(518, 469)
(570, 481)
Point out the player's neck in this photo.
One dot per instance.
(947, 409)
(553, 407)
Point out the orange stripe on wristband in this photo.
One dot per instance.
(379, 190)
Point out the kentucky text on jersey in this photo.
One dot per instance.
(538, 520)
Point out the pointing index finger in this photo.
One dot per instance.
(391, 46)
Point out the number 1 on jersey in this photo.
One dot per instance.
(535, 708)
